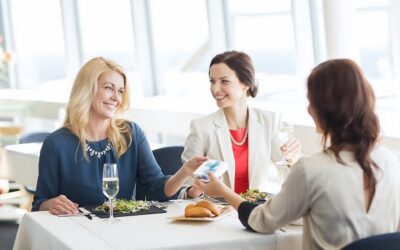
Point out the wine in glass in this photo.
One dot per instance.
(285, 133)
(110, 184)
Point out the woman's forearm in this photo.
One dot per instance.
(231, 197)
(175, 182)
(44, 206)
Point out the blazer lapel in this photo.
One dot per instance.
(225, 145)
(254, 128)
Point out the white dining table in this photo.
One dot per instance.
(21, 162)
(42, 230)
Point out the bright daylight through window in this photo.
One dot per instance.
(166, 46)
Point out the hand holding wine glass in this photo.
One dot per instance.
(110, 184)
(291, 147)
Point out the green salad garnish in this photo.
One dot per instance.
(124, 206)
(253, 195)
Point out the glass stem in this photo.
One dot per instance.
(111, 209)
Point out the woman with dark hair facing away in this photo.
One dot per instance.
(351, 189)
(246, 138)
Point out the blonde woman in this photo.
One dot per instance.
(72, 158)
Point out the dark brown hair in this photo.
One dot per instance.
(242, 65)
(344, 103)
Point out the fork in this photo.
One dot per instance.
(205, 197)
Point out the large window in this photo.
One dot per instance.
(377, 56)
(39, 42)
(264, 29)
(166, 45)
(107, 30)
(373, 40)
(374, 34)
(181, 46)
(375, 45)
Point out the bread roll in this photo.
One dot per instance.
(197, 212)
(210, 206)
(188, 207)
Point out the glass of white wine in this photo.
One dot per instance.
(110, 184)
(285, 133)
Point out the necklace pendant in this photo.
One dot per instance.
(96, 153)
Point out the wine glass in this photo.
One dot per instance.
(285, 133)
(110, 184)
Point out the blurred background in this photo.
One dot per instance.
(166, 47)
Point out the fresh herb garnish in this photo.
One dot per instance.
(124, 206)
(253, 195)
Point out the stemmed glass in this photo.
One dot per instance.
(285, 133)
(110, 184)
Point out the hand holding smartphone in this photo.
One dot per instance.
(217, 167)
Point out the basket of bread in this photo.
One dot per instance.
(204, 211)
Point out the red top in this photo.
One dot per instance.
(241, 154)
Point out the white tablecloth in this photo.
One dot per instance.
(41, 230)
(21, 163)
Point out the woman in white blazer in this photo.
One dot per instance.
(349, 191)
(244, 137)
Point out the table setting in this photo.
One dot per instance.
(119, 224)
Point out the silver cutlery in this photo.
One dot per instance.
(71, 215)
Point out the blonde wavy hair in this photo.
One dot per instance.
(82, 93)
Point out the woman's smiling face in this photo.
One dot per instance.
(109, 95)
(226, 87)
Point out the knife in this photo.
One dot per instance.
(72, 215)
(87, 215)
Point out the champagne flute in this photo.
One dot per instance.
(110, 184)
(285, 133)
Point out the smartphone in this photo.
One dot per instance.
(217, 167)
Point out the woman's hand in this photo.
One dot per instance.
(60, 205)
(194, 163)
(291, 151)
(194, 191)
(214, 188)
(175, 182)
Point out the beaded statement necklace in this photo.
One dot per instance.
(242, 141)
(93, 152)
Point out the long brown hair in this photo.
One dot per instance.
(243, 67)
(344, 103)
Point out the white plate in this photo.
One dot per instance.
(225, 211)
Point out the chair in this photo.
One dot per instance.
(33, 137)
(169, 160)
(389, 241)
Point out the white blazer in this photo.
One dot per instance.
(210, 136)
